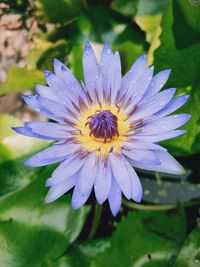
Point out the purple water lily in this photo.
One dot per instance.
(104, 127)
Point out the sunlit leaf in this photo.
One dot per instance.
(20, 79)
(189, 255)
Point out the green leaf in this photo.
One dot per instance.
(57, 11)
(33, 233)
(124, 7)
(145, 239)
(14, 149)
(148, 16)
(20, 79)
(81, 255)
(176, 52)
(189, 255)
(182, 55)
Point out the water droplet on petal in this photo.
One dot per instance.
(108, 51)
(162, 103)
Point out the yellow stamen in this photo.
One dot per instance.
(90, 143)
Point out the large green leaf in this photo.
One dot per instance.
(20, 79)
(179, 50)
(14, 149)
(81, 255)
(33, 233)
(57, 11)
(145, 239)
(189, 255)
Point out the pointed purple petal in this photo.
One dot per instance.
(164, 124)
(49, 129)
(51, 155)
(91, 71)
(46, 92)
(115, 197)
(168, 164)
(58, 190)
(173, 105)
(66, 169)
(140, 155)
(102, 182)
(87, 174)
(160, 137)
(136, 186)
(120, 174)
(153, 104)
(157, 83)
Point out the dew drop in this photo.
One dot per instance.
(162, 103)
(63, 68)
(87, 52)
(175, 116)
(108, 51)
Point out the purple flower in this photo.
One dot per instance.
(103, 127)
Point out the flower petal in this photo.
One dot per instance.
(142, 145)
(49, 129)
(164, 124)
(136, 186)
(87, 174)
(70, 81)
(115, 76)
(92, 74)
(115, 198)
(35, 104)
(160, 137)
(142, 155)
(79, 198)
(27, 132)
(106, 62)
(173, 105)
(58, 190)
(120, 174)
(52, 154)
(153, 104)
(57, 109)
(46, 92)
(65, 170)
(102, 182)
(157, 83)
(168, 164)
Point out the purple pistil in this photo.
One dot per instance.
(103, 124)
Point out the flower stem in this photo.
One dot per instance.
(97, 216)
(158, 207)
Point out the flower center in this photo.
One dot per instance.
(103, 124)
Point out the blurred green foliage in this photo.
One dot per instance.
(39, 235)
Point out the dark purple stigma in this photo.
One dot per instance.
(103, 124)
